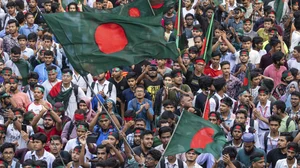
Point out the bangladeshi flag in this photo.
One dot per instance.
(162, 6)
(278, 7)
(194, 132)
(206, 50)
(95, 43)
(247, 79)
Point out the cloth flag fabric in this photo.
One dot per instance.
(278, 6)
(96, 43)
(194, 132)
(247, 79)
(206, 50)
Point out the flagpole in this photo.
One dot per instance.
(178, 23)
(209, 32)
(105, 110)
(151, 7)
(162, 155)
(206, 102)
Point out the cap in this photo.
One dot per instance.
(248, 137)
(153, 67)
(115, 134)
(227, 101)
(4, 95)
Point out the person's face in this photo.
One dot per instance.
(237, 14)
(295, 7)
(15, 57)
(167, 81)
(19, 118)
(80, 131)
(186, 61)
(198, 42)
(101, 154)
(226, 69)
(196, 33)
(99, 5)
(247, 45)
(224, 108)
(22, 42)
(259, 164)
(169, 108)
(66, 78)
(278, 47)
(199, 66)
(8, 154)
(31, 43)
(38, 94)
(189, 20)
(30, 19)
(244, 58)
(75, 156)
(104, 123)
(274, 126)
(273, 17)
(217, 33)
(267, 25)
(177, 80)
(191, 156)
(72, 8)
(247, 26)
(176, 66)
(215, 60)
(83, 106)
(48, 122)
(256, 81)
(147, 141)
(292, 88)
(248, 146)
(282, 143)
(161, 62)
(209, 13)
(245, 2)
(13, 86)
(240, 118)
(137, 138)
(275, 110)
(139, 93)
(282, 61)
(116, 73)
(237, 134)
(37, 145)
(139, 124)
(213, 120)
(295, 100)
(295, 54)
(47, 44)
(188, 3)
(6, 76)
(55, 146)
(47, 7)
(170, 11)
(11, 10)
(48, 59)
(52, 75)
(263, 97)
(223, 47)
(165, 138)
(112, 140)
(290, 154)
(150, 161)
(32, 4)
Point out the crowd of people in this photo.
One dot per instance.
(53, 117)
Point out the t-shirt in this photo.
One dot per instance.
(49, 134)
(293, 63)
(275, 155)
(152, 87)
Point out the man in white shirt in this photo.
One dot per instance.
(191, 156)
(101, 86)
(78, 80)
(26, 52)
(295, 63)
(51, 81)
(39, 153)
(290, 160)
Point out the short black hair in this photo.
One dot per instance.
(280, 105)
(146, 132)
(47, 37)
(101, 146)
(27, 14)
(205, 82)
(275, 117)
(33, 75)
(167, 115)
(7, 145)
(15, 50)
(241, 111)
(10, 4)
(263, 89)
(224, 63)
(296, 93)
(40, 136)
(55, 138)
(22, 36)
(156, 154)
(274, 41)
(246, 39)
(51, 67)
(268, 20)
(256, 40)
(287, 135)
(277, 56)
(67, 70)
(10, 21)
(219, 83)
(32, 37)
(49, 52)
(230, 150)
(164, 130)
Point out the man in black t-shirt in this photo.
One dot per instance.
(153, 83)
(146, 143)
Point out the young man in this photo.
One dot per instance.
(26, 52)
(8, 151)
(146, 143)
(10, 40)
(52, 79)
(32, 82)
(226, 115)
(56, 147)
(205, 84)
(287, 124)
(20, 98)
(193, 77)
(247, 28)
(257, 160)
(236, 131)
(266, 59)
(191, 156)
(264, 32)
(67, 93)
(41, 69)
(214, 70)
(269, 140)
(295, 63)
(240, 69)
(75, 153)
(39, 141)
(164, 134)
(290, 161)
(33, 8)
(281, 151)
(29, 27)
(294, 111)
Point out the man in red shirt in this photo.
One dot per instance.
(214, 69)
(51, 122)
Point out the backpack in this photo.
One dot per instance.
(163, 165)
(2, 22)
(134, 103)
(71, 127)
(75, 88)
(217, 102)
(110, 86)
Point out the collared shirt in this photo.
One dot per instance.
(274, 73)
(230, 57)
(282, 163)
(25, 30)
(212, 102)
(233, 85)
(103, 87)
(174, 165)
(241, 75)
(78, 80)
(266, 113)
(213, 72)
(48, 86)
(249, 11)
(72, 143)
(28, 52)
(180, 156)
(43, 74)
(236, 26)
(48, 157)
(271, 142)
(9, 42)
(254, 57)
(251, 34)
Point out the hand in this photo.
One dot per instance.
(166, 90)
(243, 68)
(82, 140)
(99, 108)
(226, 159)
(141, 107)
(24, 135)
(130, 123)
(279, 37)
(174, 88)
(191, 110)
(147, 106)
(101, 93)
(122, 134)
(256, 113)
(106, 142)
(220, 39)
(9, 114)
(109, 106)
(15, 143)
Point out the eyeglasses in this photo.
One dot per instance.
(149, 158)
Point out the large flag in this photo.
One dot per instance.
(96, 43)
(194, 132)
(162, 6)
(278, 7)
(206, 50)
(179, 25)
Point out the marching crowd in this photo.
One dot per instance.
(51, 116)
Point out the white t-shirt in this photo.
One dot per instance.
(293, 63)
(13, 135)
(254, 57)
(295, 40)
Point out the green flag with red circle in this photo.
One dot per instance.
(193, 132)
(96, 43)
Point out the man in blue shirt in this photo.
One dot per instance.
(30, 26)
(41, 68)
(141, 106)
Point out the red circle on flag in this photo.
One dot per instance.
(110, 38)
(202, 138)
(134, 12)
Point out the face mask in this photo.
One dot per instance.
(32, 84)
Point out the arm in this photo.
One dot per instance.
(259, 116)
(82, 140)
(117, 152)
(94, 121)
(150, 112)
(57, 119)
(142, 76)
(228, 43)
(184, 69)
(37, 118)
(216, 45)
